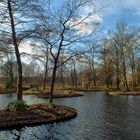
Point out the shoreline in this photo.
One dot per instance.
(124, 93)
(36, 115)
(60, 95)
(57, 93)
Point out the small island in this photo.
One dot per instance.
(60, 93)
(35, 115)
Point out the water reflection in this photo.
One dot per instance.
(100, 117)
(5, 99)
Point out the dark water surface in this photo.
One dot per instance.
(100, 117)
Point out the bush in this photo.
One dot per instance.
(17, 106)
(9, 84)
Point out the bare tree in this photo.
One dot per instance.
(41, 53)
(115, 55)
(92, 57)
(73, 75)
(64, 27)
(106, 63)
(14, 22)
(122, 38)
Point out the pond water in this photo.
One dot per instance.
(100, 117)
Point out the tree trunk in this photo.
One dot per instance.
(75, 75)
(55, 67)
(95, 83)
(117, 78)
(94, 77)
(62, 77)
(107, 81)
(125, 78)
(19, 65)
(45, 79)
(133, 69)
(11, 73)
(126, 84)
(52, 83)
(107, 85)
(46, 69)
(94, 72)
(118, 83)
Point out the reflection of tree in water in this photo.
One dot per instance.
(43, 132)
(51, 131)
(16, 133)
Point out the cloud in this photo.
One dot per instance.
(90, 20)
(88, 25)
(25, 47)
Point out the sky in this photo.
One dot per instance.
(112, 11)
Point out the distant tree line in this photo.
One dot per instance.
(55, 32)
(66, 50)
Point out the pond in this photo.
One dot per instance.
(100, 117)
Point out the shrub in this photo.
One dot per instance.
(17, 106)
(9, 84)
